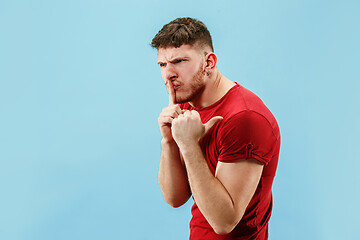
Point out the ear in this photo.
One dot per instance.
(210, 60)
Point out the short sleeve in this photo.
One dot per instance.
(246, 135)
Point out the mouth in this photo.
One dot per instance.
(176, 86)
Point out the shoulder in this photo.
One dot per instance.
(246, 109)
(247, 134)
(247, 121)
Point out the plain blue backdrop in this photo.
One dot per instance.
(80, 93)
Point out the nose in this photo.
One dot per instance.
(169, 72)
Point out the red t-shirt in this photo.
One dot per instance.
(248, 130)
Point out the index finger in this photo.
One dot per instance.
(171, 91)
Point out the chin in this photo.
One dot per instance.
(179, 101)
(190, 97)
(182, 100)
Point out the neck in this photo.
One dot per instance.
(216, 86)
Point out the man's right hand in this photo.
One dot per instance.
(168, 114)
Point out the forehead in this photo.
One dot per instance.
(168, 53)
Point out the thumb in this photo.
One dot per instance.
(211, 123)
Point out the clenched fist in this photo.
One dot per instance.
(187, 128)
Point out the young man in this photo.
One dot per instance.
(220, 143)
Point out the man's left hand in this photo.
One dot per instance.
(188, 129)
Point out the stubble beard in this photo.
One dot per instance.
(196, 88)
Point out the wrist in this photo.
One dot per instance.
(170, 141)
(189, 148)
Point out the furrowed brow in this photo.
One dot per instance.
(178, 58)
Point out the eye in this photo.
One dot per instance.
(179, 60)
(162, 64)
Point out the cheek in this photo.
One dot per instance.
(189, 72)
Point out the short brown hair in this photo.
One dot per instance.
(182, 31)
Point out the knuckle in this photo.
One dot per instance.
(164, 109)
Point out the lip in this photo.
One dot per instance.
(176, 86)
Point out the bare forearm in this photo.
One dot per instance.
(210, 195)
(172, 175)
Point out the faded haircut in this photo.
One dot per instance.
(183, 31)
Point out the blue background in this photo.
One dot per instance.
(80, 93)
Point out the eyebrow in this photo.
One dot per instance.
(175, 59)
